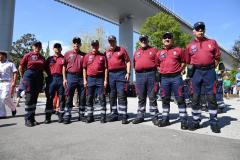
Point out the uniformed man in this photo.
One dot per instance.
(119, 66)
(34, 62)
(8, 79)
(203, 55)
(145, 64)
(73, 79)
(171, 63)
(55, 83)
(95, 74)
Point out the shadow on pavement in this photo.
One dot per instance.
(7, 125)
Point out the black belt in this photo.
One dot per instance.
(146, 70)
(171, 74)
(97, 76)
(117, 70)
(56, 75)
(76, 73)
(202, 67)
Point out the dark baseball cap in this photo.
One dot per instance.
(3, 52)
(199, 25)
(37, 44)
(94, 43)
(168, 35)
(76, 40)
(143, 37)
(112, 38)
(57, 45)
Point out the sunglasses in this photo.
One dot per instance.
(167, 37)
(200, 28)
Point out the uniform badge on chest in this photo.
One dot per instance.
(193, 49)
(163, 54)
(209, 46)
(71, 56)
(90, 58)
(138, 54)
(109, 55)
(150, 53)
(34, 57)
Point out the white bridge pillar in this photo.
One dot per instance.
(126, 36)
(7, 8)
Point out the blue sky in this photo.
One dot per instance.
(52, 21)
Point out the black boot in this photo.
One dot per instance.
(112, 117)
(14, 113)
(48, 118)
(215, 128)
(29, 123)
(156, 121)
(81, 117)
(184, 125)
(194, 126)
(103, 118)
(60, 117)
(67, 120)
(125, 119)
(138, 120)
(164, 123)
(89, 119)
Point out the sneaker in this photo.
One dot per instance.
(14, 113)
(112, 117)
(215, 128)
(138, 120)
(194, 126)
(184, 125)
(164, 123)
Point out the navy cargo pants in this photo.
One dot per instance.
(118, 86)
(55, 84)
(173, 84)
(146, 85)
(95, 82)
(74, 81)
(207, 78)
(33, 84)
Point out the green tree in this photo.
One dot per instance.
(22, 46)
(160, 23)
(98, 35)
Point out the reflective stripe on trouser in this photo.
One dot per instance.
(93, 84)
(30, 111)
(5, 98)
(74, 82)
(146, 85)
(117, 84)
(221, 104)
(206, 78)
(175, 85)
